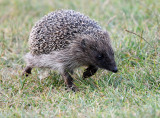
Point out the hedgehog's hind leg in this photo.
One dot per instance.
(29, 59)
(27, 71)
(91, 70)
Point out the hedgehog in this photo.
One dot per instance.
(66, 39)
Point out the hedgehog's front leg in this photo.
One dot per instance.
(91, 70)
(69, 81)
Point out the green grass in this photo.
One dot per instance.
(133, 92)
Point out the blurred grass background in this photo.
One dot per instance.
(133, 92)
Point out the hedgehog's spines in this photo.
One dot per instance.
(56, 30)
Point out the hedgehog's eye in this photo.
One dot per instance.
(100, 57)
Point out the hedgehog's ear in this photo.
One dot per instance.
(83, 43)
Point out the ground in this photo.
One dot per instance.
(134, 27)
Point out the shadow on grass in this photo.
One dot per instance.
(96, 82)
(56, 81)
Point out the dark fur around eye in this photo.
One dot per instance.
(100, 56)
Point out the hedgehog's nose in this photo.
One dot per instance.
(115, 70)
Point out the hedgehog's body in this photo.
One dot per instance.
(64, 40)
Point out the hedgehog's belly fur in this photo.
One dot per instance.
(57, 60)
(44, 61)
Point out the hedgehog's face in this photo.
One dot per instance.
(106, 60)
(99, 53)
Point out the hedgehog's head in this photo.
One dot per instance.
(98, 51)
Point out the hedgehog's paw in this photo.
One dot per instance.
(73, 88)
(27, 71)
(91, 70)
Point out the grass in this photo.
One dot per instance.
(133, 92)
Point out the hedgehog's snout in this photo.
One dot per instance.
(115, 69)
